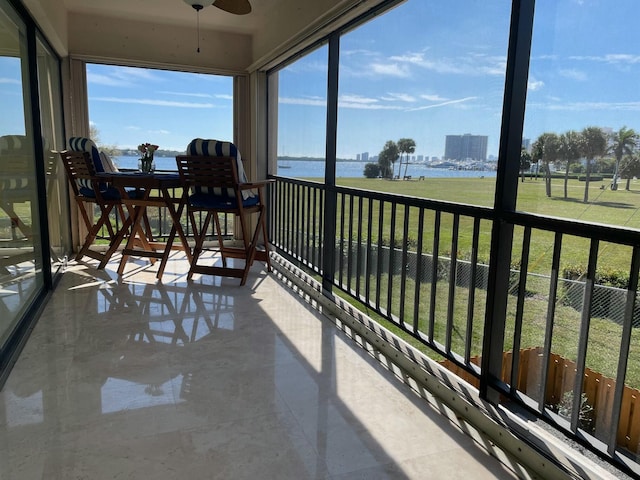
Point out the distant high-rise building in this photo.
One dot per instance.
(421, 158)
(464, 147)
(357, 157)
(365, 156)
(526, 144)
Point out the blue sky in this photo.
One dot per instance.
(424, 70)
(129, 106)
(430, 69)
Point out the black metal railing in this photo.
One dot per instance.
(424, 266)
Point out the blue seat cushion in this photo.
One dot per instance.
(111, 193)
(219, 202)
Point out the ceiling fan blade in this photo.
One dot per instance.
(237, 7)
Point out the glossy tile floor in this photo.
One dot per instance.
(132, 378)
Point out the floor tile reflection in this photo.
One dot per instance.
(134, 378)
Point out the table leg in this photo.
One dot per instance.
(136, 231)
(175, 228)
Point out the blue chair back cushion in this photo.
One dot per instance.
(83, 144)
(218, 148)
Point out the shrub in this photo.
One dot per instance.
(372, 170)
(607, 276)
(592, 178)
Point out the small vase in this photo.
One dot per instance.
(146, 165)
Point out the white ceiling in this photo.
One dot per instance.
(177, 12)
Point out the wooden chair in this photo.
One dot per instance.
(88, 191)
(213, 184)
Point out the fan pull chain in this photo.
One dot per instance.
(198, 29)
(197, 7)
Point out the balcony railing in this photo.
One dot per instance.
(423, 267)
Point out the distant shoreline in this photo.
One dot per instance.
(316, 159)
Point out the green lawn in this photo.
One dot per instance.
(613, 207)
(619, 208)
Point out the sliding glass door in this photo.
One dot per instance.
(21, 273)
(53, 140)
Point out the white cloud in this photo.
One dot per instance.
(157, 103)
(186, 94)
(471, 64)
(433, 98)
(219, 96)
(357, 99)
(361, 52)
(402, 97)
(368, 103)
(99, 79)
(574, 74)
(309, 101)
(589, 106)
(545, 57)
(442, 104)
(122, 77)
(367, 106)
(10, 80)
(134, 74)
(390, 69)
(611, 58)
(533, 84)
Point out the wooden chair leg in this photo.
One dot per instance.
(199, 241)
(93, 233)
(216, 219)
(147, 227)
(263, 223)
(87, 224)
(248, 248)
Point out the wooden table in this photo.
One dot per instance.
(139, 191)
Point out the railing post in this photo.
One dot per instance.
(515, 95)
(331, 196)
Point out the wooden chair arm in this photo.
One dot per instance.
(254, 185)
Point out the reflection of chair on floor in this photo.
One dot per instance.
(82, 163)
(215, 183)
(210, 311)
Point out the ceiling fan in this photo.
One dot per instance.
(236, 7)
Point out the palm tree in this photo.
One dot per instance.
(623, 142)
(545, 149)
(525, 162)
(405, 146)
(594, 144)
(570, 150)
(630, 167)
(387, 158)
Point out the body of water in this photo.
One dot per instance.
(314, 169)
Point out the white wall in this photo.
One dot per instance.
(51, 17)
(148, 44)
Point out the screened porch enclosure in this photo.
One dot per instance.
(516, 294)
